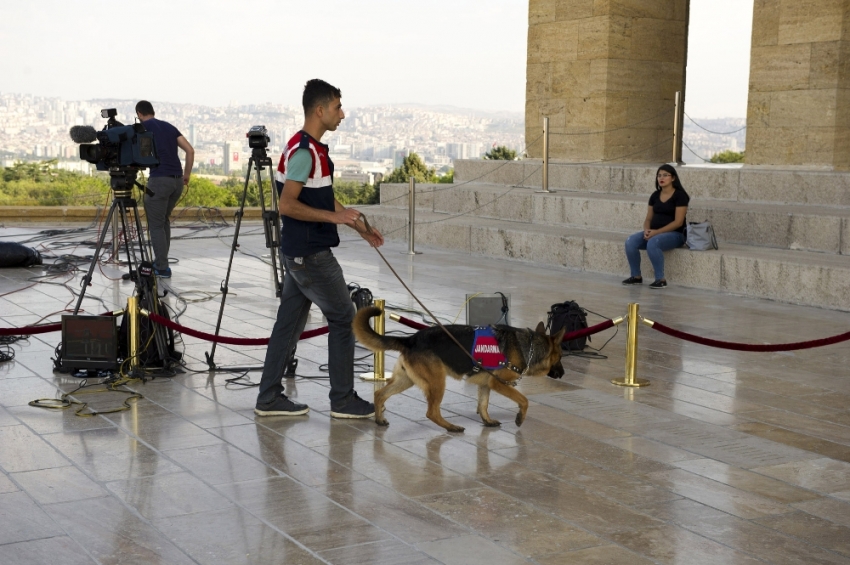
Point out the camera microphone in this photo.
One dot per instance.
(83, 134)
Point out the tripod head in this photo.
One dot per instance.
(122, 179)
(258, 141)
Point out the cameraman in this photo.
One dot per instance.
(165, 184)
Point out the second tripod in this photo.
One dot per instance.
(258, 141)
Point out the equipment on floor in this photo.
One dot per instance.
(16, 255)
(572, 317)
(361, 297)
(89, 343)
(488, 309)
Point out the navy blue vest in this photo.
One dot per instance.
(297, 237)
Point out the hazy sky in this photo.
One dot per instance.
(467, 53)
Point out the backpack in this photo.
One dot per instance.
(361, 297)
(572, 317)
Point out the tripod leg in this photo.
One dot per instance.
(271, 226)
(224, 285)
(86, 282)
(131, 256)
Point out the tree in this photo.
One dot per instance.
(41, 184)
(352, 193)
(203, 192)
(447, 178)
(412, 166)
(500, 153)
(727, 156)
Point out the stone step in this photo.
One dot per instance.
(790, 226)
(729, 182)
(798, 277)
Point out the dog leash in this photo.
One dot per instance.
(475, 363)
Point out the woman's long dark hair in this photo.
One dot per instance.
(668, 168)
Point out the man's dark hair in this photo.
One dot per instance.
(317, 92)
(145, 108)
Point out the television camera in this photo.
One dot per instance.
(121, 150)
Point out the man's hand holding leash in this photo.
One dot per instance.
(367, 232)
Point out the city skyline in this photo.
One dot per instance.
(378, 52)
(372, 139)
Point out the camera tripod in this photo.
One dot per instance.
(121, 181)
(259, 161)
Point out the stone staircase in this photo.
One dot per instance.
(783, 234)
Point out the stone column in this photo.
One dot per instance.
(600, 65)
(799, 110)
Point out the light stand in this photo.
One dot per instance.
(258, 141)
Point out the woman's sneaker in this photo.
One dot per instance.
(658, 285)
(352, 406)
(282, 406)
(633, 280)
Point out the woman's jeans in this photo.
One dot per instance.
(655, 248)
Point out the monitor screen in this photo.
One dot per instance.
(89, 342)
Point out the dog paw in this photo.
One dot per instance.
(519, 419)
(455, 429)
(493, 424)
(382, 422)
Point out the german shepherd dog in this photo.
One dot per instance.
(429, 355)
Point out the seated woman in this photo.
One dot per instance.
(663, 228)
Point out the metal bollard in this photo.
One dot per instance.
(378, 374)
(411, 220)
(678, 123)
(133, 329)
(630, 378)
(545, 187)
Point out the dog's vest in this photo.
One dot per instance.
(486, 350)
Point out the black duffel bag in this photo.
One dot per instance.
(16, 255)
(572, 317)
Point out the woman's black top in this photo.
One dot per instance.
(664, 213)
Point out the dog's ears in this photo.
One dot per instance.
(541, 329)
(559, 337)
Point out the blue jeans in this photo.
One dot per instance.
(317, 279)
(655, 248)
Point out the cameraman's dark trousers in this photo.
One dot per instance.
(163, 194)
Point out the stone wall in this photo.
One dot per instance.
(799, 108)
(596, 66)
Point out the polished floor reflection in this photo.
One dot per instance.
(727, 458)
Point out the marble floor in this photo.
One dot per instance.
(727, 458)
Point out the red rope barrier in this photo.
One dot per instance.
(604, 325)
(567, 337)
(156, 318)
(748, 346)
(412, 323)
(33, 330)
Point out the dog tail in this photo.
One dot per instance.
(369, 337)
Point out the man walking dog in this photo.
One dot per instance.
(309, 216)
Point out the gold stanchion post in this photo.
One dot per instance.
(133, 329)
(630, 379)
(379, 374)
